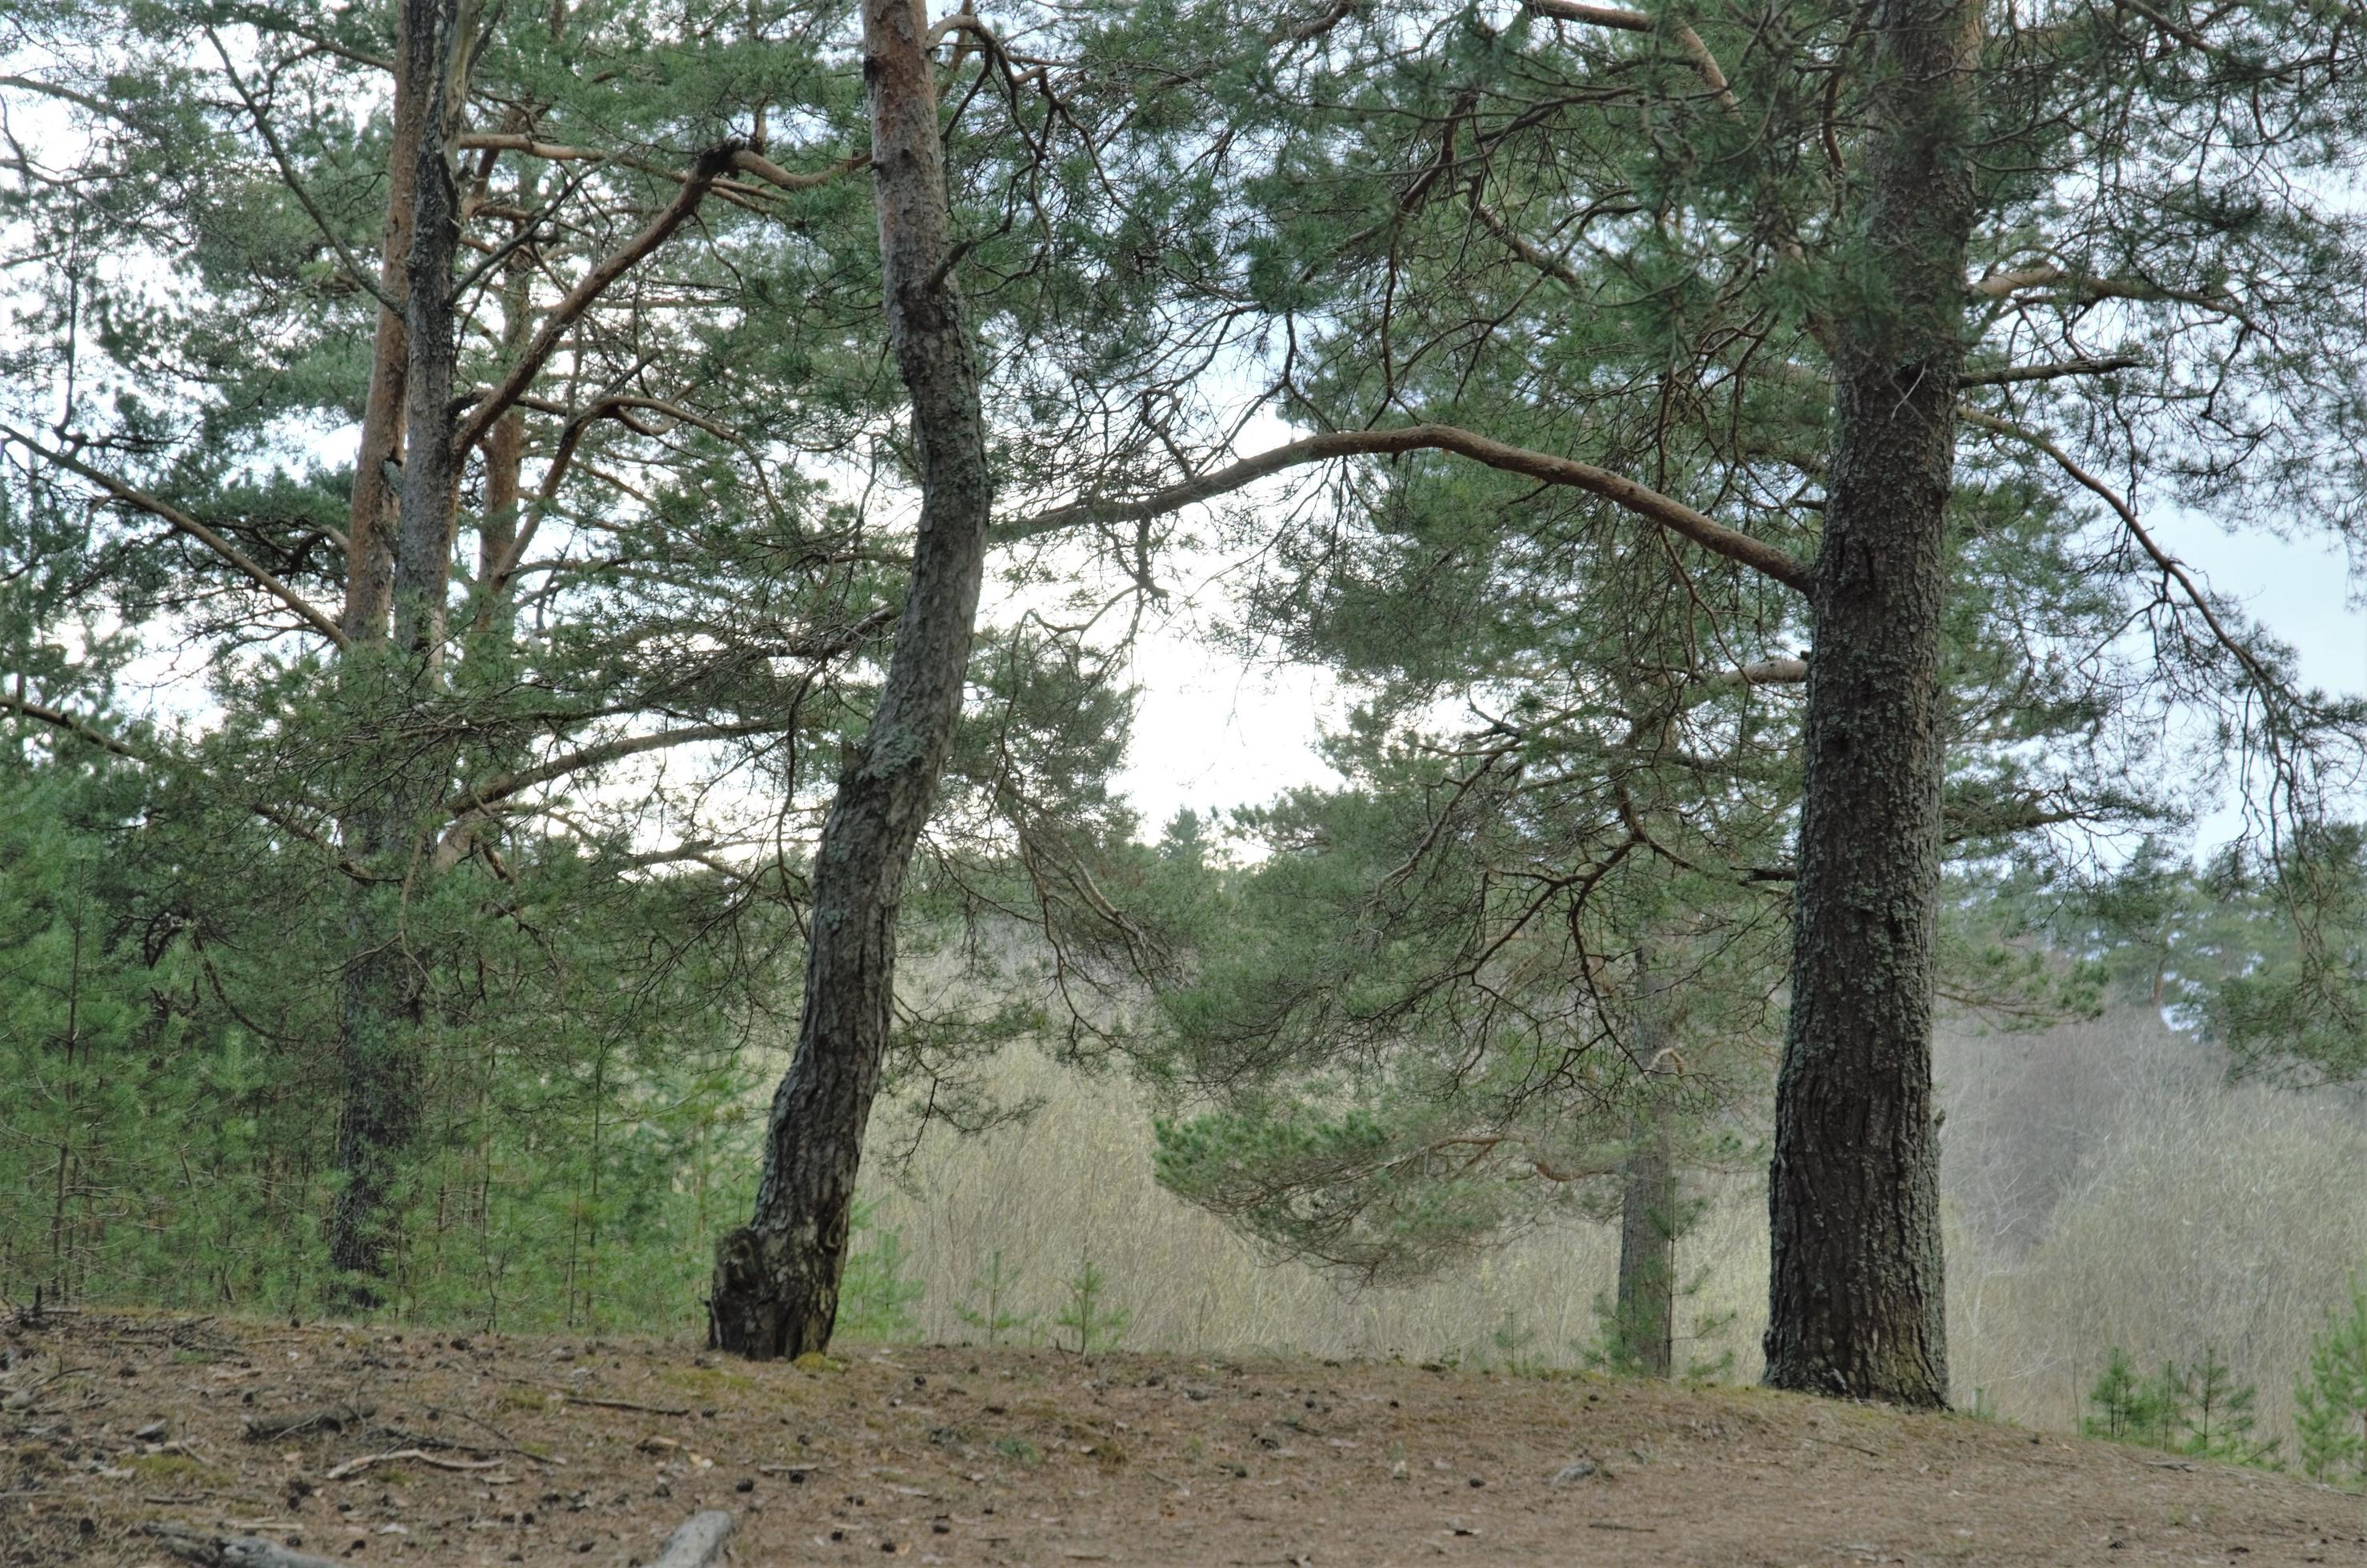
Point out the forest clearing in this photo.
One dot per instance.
(500, 1448)
(1267, 780)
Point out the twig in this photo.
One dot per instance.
(356, 1466)
(605, 1403)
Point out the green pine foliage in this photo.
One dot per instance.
(987, 1307)
(876, 1293)
(1089, 1314)
(2196, 1410)
(2330, 1397)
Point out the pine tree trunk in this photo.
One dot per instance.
(776, 1278)
(1647, 1250)
(369, 536)
(382, 997)
(1856, 1297)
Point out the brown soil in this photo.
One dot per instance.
(959, 1456)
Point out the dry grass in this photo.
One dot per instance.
(2105, 1186)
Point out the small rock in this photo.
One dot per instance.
(1576, 1470)
(152, 1431)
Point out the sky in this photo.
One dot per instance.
(1211, 732)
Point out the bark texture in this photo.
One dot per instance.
(776, 1278)
(383, 997)
(1855, 1294)
(1647, 1250)
(369, 530)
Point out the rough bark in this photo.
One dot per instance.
(1855, 1297)
(1647, 1250)
(776, 1278)
(382, 996)
(424, 506)
(369, 537)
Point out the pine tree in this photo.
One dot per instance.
(2330, 1398)
(1745, 325)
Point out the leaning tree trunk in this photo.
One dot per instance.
(1646, 1309)
(383, 997)
(1855, 1296)
(775, 1289)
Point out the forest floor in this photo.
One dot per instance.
(440, 1447)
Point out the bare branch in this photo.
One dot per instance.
(51, 89)
(502, 785)
(2007, 375)
(2170, 564)
(1696, 52)
(771, 172)
(587, 290)
(81, 728)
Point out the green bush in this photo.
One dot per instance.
(1089, 1314)
(2330, 1400)
(2196, 1410)
(877, 1293)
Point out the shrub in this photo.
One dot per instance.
(2330, 1400)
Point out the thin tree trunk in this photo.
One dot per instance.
(383, 994)
(1648, 1249)
(1644, 1321)
(776, 1278)
(1855, 1297)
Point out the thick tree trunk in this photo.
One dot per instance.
(1855, 1296)
(1647, 1250)
(382, 997)
(775, 1289)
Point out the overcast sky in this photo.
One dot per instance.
(1212, 734)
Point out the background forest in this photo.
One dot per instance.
(469, 535)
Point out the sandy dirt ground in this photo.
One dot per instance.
(400, 1446)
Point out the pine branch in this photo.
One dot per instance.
(82, 727)
(1768, 560)
(181, 521)
(587, 291)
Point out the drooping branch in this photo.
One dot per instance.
(90, 734)
(155, 506)
(2170, 564)
(1768, 560)
(817, 649)
(64, 95)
